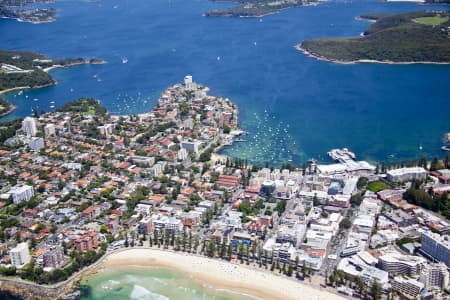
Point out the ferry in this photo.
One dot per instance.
(341, 155)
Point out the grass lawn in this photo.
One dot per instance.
(376, 186)
(431, 21)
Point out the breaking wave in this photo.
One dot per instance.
(141, 293)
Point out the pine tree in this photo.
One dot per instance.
(290, 270)
(304, 270)
(376, 290)
(212, 249)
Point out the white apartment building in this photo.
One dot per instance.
(408, 287)
(396, 263)
(190, 146)
(188, 83)
(105, 130)
(182, 154)
(404, 174)
(155, 171)
(29, 126)
(20, 255)
(49, 129)
(434, 276)
(21, 193)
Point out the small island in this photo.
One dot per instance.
(8, 10)
(23, 69)
(257, 8)
(415, 37)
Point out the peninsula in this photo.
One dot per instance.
(23, 69)
(6, 108)
(415, 37)
(9, 10)
(256, 8)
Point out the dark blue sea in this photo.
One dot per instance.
(293, 106)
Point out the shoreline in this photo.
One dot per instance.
(48, 70)
(86, 62)
(14, 89)
(218, 274)
(231, 277)
(13, 108)
(27, 87)
(259, 16)
(352, 62)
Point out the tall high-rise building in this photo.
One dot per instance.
(29, 126)
(188, 83)
(434, 276)
(20, 255)
(437, 247)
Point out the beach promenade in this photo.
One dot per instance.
(225, 275)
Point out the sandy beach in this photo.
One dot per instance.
(222, 274)
(14, 89)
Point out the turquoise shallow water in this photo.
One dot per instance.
(294, 107)
(150, 284)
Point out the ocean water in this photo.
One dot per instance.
(151, 284)
(293, 106)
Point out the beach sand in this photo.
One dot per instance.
(220, 274)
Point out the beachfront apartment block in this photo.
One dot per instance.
(292, 234)
(86, 242)
(163, 222)
(29, 126)
(404, 174)
(357, 267)
(21, 193)
(436, 247)
(20, 255)
(408, 287)
(397, 263)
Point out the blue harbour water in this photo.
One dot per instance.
(294, 106)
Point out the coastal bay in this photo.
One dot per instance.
(28, 70)
(252, 61)
(245, 282)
